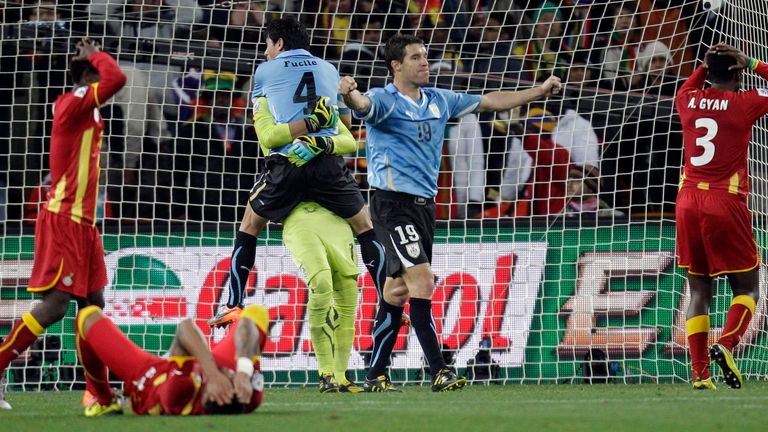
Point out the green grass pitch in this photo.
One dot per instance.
(610, 407)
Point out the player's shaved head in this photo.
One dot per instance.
(719, 68)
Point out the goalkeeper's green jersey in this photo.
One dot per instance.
(320, 240)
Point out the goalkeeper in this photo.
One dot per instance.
(323, 248)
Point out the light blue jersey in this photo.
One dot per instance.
(404, 139)
(291, 82)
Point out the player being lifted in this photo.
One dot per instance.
(299, 88)
(405, 128)
(322, 246)
(69, 256)
(714, 225)
(193, 380)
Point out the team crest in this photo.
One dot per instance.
(434, 109)
(413, 250)
(67, 280)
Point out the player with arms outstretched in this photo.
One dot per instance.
(405, 129)
(69, 256)
(714, 226)
(303, 162)
(193, 380)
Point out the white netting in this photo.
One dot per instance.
(556, 232)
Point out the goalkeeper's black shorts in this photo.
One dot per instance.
(405, 226)
(325, 180)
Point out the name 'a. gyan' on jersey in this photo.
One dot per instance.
(292, 82)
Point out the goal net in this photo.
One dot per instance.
(555, 241)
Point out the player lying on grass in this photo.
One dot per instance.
(193, 380)
(714, 225)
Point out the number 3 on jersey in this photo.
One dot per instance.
(706, 141)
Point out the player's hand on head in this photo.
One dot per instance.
(742, 60)
(324, 115)
(552, 85)
(219, 389)
(346, 85)
(243, 387)
(85, 47)
(305, 148)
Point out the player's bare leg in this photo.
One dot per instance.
(697, 329)
(243, 256)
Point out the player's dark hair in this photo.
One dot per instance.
(394, 50)
(213, 408)
(718, 68)
(292, 32)
(79, 67)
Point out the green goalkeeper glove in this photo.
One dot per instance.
(324, 115)
(305, 148)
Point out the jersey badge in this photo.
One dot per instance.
(434, 109)
(67, 280)
(413, 250)
(81, 91)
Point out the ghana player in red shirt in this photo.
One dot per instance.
(193, 380)
(714, 225)
(69, 256)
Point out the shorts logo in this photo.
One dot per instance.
(413, 250)
(67, 280)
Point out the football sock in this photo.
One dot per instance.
(23, 334)
(243, 256)
(373, 257)
(384, 336)
(343, 311)
(739, 316)
(424, 326)
(96, 376)
(697, 329)
(320, 324)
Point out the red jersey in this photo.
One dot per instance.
(551, 165)
(76, 143)
(717, 126)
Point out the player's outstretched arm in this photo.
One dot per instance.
(506, 100)
(355, 100)
(189, 341)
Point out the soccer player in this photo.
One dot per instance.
(714, 225)
(298, 86)
(322, 246)
(193, 380)
(69, 256)
(405, 127)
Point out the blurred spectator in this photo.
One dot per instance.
(494, 52)
(332, 26)
(362, 52)
(213, 163)
(617, 51)
(655, 61)
(583, 199)
(541, 176)
(465, 150)
(237, 29)
(545, 53)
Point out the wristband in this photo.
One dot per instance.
(245, 365)
(753, 63)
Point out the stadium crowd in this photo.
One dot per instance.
(180, 145)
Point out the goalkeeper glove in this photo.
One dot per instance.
(324, 115)
(305, 148)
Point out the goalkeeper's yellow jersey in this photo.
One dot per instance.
(320, 240)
